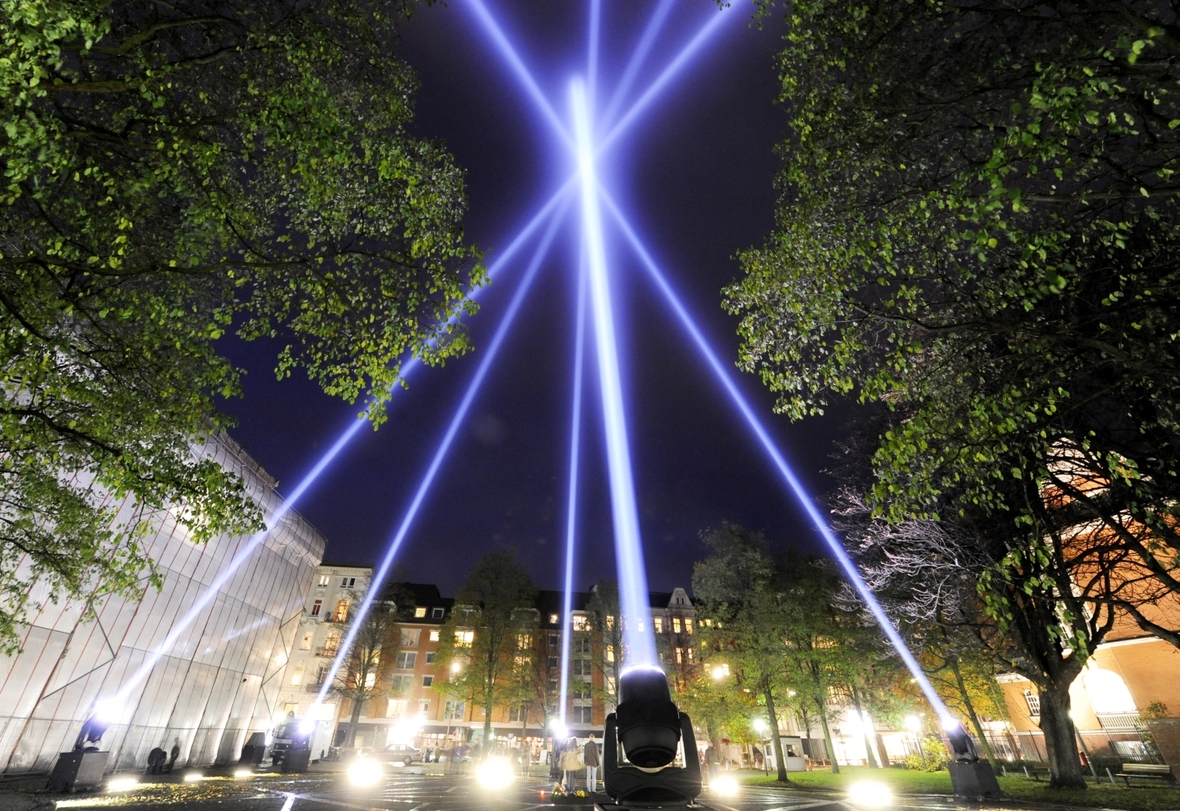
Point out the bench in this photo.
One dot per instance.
(1036, 770)
(1146, 771)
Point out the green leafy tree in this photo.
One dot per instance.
(978, 228)
(741, 613)
(489, 636)
(173, 174)
(604, 614)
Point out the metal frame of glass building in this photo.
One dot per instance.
(209, 690)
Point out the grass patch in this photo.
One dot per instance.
(903, 781)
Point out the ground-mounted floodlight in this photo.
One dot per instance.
(970, 776)
(364, 772)
(648, 730)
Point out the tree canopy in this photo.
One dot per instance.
(174, 174)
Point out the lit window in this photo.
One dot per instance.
(297, 676)
(370, 680)
(424, 707)
(427, 681)
(453, 710)
(395, 708)
(464, 639)
(610, 653)
(689, 651)
(406, 660)
(324, 579)
(437, 613)
(305, 643)
(291, 707)
(315, 607)
(434, 635)
(552, 619)
(658, 622)
(687, 625)
(523, 641)
(332, 644)
(410, 637)
(610, 622)
(680, 656)
(676, 625)
(581, 623)
(420, 611)
(341, 612)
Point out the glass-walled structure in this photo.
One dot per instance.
(217, 681)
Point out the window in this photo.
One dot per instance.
(427, 681)
(679, 656)
(1034, 702)
(580, 667)
(552, 663)
(514, 713)
(370, 679)
(581, 623)
(658, 622)
(454, 710)
(297, 676)
(688, 625)
(420, 611)
(332, 643)
(406, 660)
(401, 683)
(424, 706)
(524, 641)
(324, 579)
(341, 612)
(434, 635)
(552, 619)
(430, 657)
(610, 622)
(553, 640)
(583, 715)
(291, 707)
(464, 638)
(315, 607)
(437, 613)
(581, 644)
(676, 625)
(410, 637)
(347, 582)
(689, 652)
(610, 653)
(305, 643)
(395, 708)
(580, 688)
(320, 672)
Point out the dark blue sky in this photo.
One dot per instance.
(696, 175)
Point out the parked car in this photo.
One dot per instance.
(400, 753)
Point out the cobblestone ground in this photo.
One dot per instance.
(415, 790)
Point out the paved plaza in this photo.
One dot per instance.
(416, 790)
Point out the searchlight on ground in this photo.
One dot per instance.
(495, 774)
(869, 794)
(724, 786)
(364, 772)
(122, 783)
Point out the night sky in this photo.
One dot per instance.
(696, 177)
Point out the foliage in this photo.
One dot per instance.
(489, 635)
(175, 173)
(1154, 711)
(361, 675)
(603, 611)
(934, 757)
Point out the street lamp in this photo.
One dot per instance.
(760, 727)
(720, 672)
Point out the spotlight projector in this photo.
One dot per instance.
(650, 730)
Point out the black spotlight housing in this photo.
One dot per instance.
(649, 729)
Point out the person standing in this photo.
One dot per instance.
(571, 763)
(713, 763)
(590, 758)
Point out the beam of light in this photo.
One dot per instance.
(725, 377)
(593, 28)
(288, 504)
(682, 60)
(637, 58)
(516, 63)
(633, 595)
(572, 497)
(440, 453)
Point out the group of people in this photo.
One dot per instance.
(161, 762)
(570, 758)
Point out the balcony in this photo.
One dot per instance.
(1120, 721)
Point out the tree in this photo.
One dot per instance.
(604, 614)
(361, 674)
(489, 635)
(978, 229)
(176, 173)
(742, 614)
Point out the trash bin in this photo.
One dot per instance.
(254, 750)
(296, 760)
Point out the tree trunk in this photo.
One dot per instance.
(823, 722)
(487, 730)
(354, 722)
(772, 717)
(1065, 768)
(864, 728)
(975, 722)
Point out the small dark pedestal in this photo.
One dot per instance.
(75, 770)
(974, 779)
(296, 760)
